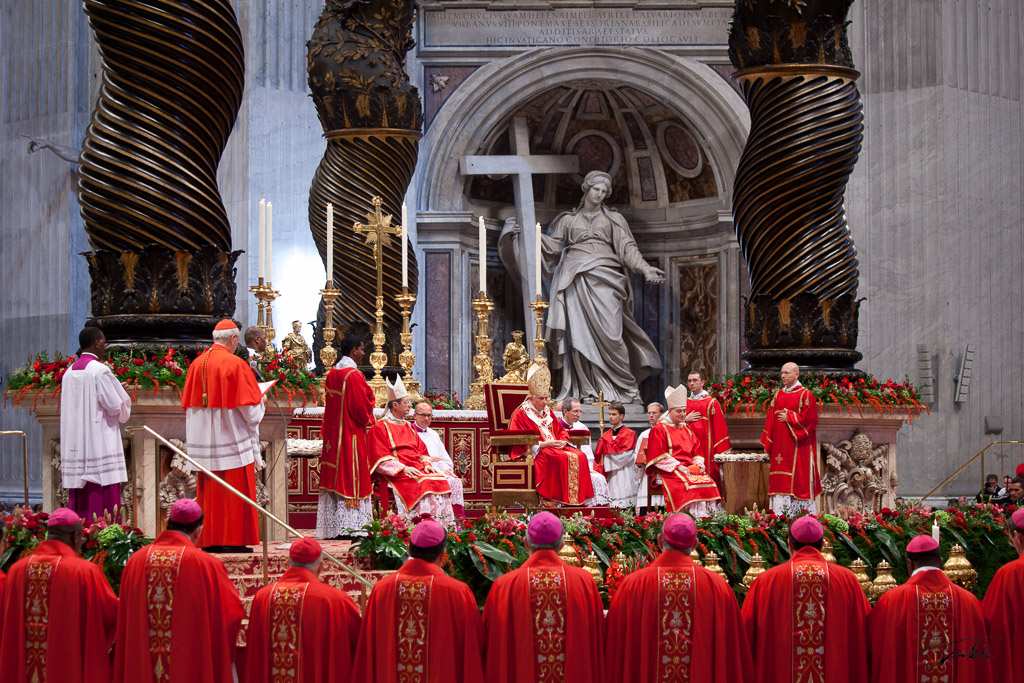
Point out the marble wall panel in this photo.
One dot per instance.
(438, 321)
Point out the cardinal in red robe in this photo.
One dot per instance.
(806, 618)
(400, 456)
(58, 612)
(706, 419)
(671, 454)
(180, 614)
(545, 621)
(223, 409)
(928, 629)
(421, 625)
(1003, 608)
(676, 621)
(791, 440)
(345, 485)
(615, 454)
(300, 629)
(561, 470)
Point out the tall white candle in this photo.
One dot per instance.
(536, 258)
(263, 235)
(935, 532)
(330, 245)
(270, 237)
(405, 246)
(483, 256)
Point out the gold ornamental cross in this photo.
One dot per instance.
(378, 231)
(601, 405)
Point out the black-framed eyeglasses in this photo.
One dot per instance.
(429, 417)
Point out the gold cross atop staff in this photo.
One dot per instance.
(378, 230)
(601, 405)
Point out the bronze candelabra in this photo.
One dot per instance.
(539, 307)
(328, 355)
(265, 295)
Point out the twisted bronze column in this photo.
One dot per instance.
(371, 117)
(162, 268)
(795, 69)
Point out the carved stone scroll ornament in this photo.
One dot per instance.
(178, 482)
(856, 474)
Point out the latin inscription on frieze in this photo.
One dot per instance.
(520, 28)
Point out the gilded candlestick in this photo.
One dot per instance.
(539, 307)
(328, 354)
(482, 360)
(407, 359)
(265, 295)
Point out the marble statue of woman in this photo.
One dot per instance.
(592, 336)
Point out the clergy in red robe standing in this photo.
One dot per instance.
(1004, 608)
(561, 470)
(676, 621)
(180, 614)
(545, 621)
(615, 453)
(345, 487)
(300, 629)
(928, 629)
(807, 619)
(790, 437)
(58, 612)
(672, 455)
(402, 458)
(223, 408)
(706, 419)
(420, 625)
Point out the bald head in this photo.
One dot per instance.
(423, 414)
(790, 374)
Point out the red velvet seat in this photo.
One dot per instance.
(513, 482)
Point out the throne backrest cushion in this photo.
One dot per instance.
(502, 400)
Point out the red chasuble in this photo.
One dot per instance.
(792, 445)
(545, 624)
(676, 621)
(806, 621)
(624, 441)
(348, 417)
(674, 444)
(179, 615)
(59, 616)
(1004, 615)
(301, 631)
(420, 626)
(710, 432)
(928, 630)
(396, 440)
(563, 474)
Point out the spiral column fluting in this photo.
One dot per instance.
(173, 70)
(371, 117)
(788, 209)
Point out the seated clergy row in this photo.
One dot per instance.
(178, 618)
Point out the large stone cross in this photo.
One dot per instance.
(522, 166)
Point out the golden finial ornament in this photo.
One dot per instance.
(568, 555)
(695, 556)
(883, 581)
(826, 552)
(620, 559)
(860, 569)
(711, 564)
(958, 568)
(755, 569)
(593, 565)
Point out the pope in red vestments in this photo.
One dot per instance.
(806, 618)
(928, 629)
(180, 614)
(561, 470)
(676, 621)
(545, 621)
(671, 454)
(223, 408)
(791, 440)
(706, 419)
(1004, 609)
(420, 625)
(58, 612)
(300, 629)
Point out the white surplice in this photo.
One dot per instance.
(93, 407)
(441, 461)
(224, 438)
(641, 494)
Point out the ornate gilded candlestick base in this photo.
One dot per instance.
(482, 360)
(539, 307)
(265, 295)
(407, 358)
(328, 355)
(379, 358)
